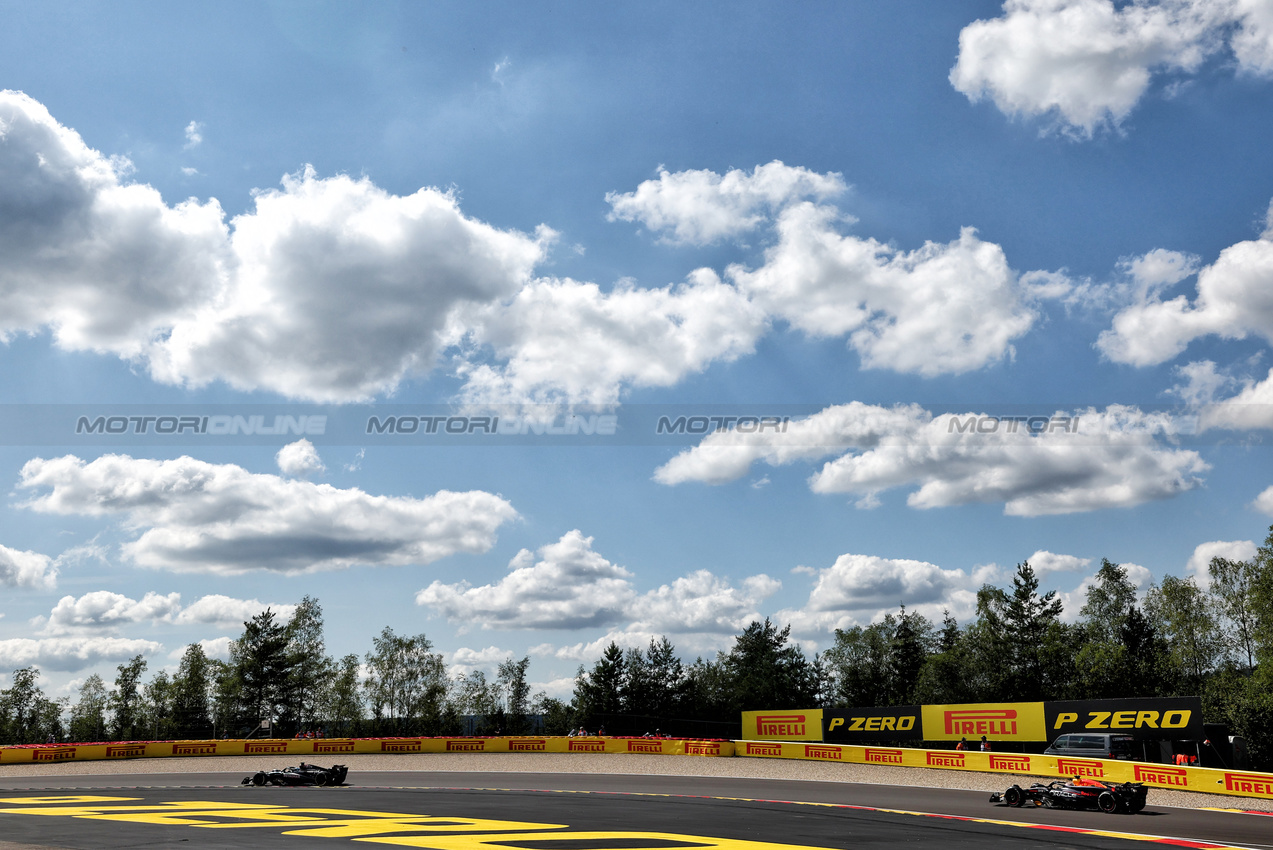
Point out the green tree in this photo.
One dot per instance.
(767, 672)
(228, 715)
(88, 715)
(343, 708)
(1233, 586)
(858, 662)
(157, 708)
(1103, 658)
(26, 715)
(516, 691)
(600, 691)
(654, 680)
(191, 713)
(308, 666)
(260, 659)
(1186, 617)
(406, 683)
(125, 702)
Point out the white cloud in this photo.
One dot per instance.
(219, 518)
(1087, 63)
(940, 309)
(107, 266)
(1231, 303)
(702, 207)
(569, 587)
(1101, 459)
(1251, 407)
(1199, 565)
(299, 459)
(219, 610)
(104, 609)
(26, 569)
(1264, 502)
(194, 135)
(465, 660)
(71, 653)
(857, 589)
(568, 341)
(1045, 563)
(341, 290)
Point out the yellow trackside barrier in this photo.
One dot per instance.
(332, 748)
(1203, 779)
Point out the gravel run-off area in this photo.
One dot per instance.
(648, 765)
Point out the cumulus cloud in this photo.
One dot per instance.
(299, 459)
(332, 289)
(219, 610)
(1232, 302)
(562, 340)
(1099, 459)
(1264, 502)
(1222, 400)
(107, 266)
(699, 207)
(26, 569)
(939, 309)
(859, 588)
(1087, 63)
(1199, 565)
(104, 610)
(219, 518)
(71, 653)
(568, 585)
(1045, 562)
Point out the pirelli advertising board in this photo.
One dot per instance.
(857, 725)
(1147, 719)
(801, 724)
(996, 721)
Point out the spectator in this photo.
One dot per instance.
(985, 745)
(962, 745)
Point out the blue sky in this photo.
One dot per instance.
(879, 220)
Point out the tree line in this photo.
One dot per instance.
(1183, 637)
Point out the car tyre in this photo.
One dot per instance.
(1107, 802)
(258, 779)
(1014, 797)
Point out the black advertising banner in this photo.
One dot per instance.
(887, 723)
(1150, 718)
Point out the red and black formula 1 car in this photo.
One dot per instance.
(1078, 793)
(305, 774)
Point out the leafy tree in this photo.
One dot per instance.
(228, 715)
(766, 672)
(1186, 617)
(260, 659)
(1233, 586)
(558, 717)
(308, 667)
(654, 680)
(125, 701)
(708, 694)
(407, 683)
(600, 691)
(88, 716)
(342, 707)
(909, 649)
(26, 715)
(157, 707)
(512, 681)
(191, 714)
(858, 662)
(1103, 658)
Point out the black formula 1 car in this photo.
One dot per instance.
(305, 774)
(1077, 793)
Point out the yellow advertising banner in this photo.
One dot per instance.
(331, 749)
(1012, 721)
(801, 724)
(1202, 779)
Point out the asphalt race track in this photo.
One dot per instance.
(553, 811)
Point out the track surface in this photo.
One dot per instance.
(750, 810)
